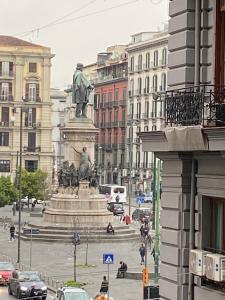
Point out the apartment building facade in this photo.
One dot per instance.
(147, 75)
(110, 113)
(60, 104)
(192, 150)
(25, 84)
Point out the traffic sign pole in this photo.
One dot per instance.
(108, 281)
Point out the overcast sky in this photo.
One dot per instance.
(82, 32)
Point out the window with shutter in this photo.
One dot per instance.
(11, 68)
(10, 98)
(0, 68)
(37, 92)
(5, 116)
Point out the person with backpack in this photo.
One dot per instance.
(142, 253)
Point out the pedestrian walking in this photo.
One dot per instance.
(153, 253)
(12, 230)
(104, 286)
(142, 253)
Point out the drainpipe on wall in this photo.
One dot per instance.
(192, 226)
(197, 41)
(193, 168)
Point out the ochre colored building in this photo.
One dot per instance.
(25, 83)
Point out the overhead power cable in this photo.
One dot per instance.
(58, 21)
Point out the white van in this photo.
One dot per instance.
(114, 193)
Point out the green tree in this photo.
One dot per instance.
(34, 184)
(8, 192)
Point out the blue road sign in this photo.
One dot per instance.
(140, 199)
(108, 258)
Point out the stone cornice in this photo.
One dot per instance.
(156, 141)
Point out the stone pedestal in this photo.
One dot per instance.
(81, 206)
(79, 133)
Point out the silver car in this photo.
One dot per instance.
(71, 293)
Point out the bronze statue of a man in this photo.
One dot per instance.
(81, 90)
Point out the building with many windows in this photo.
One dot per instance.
(147, 75)
(25, 84)
(192, 148)
(60, 104)
(110, 113)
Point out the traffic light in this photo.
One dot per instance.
(145, 276)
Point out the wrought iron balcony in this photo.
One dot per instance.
(7, 74)
(122, 123)
(6, 98)
(123, 103)
(108, 147)
(202, 105)
(32, 149)
(116, 103)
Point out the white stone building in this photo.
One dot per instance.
(60, 104)
(147, 76)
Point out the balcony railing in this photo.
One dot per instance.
(109, 125)
(115, 124)
(108, 147)
(32, 149)
(145, 116)
(7, 74)
(123, 102)
(116, 103)
(6, 123)
(103, 125)
(122, 123)
(6, 98)
(32, 99)
(201, 105)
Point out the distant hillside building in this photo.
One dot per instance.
(25, 81)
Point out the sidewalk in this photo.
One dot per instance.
(56, 261)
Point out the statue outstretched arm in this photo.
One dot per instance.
(76, 150)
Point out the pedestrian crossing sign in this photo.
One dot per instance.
(108, 258)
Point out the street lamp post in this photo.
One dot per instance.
(20, 186)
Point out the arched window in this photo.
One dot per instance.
(146, 128)
(139, 62)
(164, 56)
(147, 61)
(156, 58)
(155, 83)
(163, 82)
(147, 84)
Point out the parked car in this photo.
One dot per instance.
(21, 282)
(71, 293)
(6, 270)
(142, 214)
(116, 208)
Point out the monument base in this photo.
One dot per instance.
(78, 207)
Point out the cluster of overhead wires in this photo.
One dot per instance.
(67, 18)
